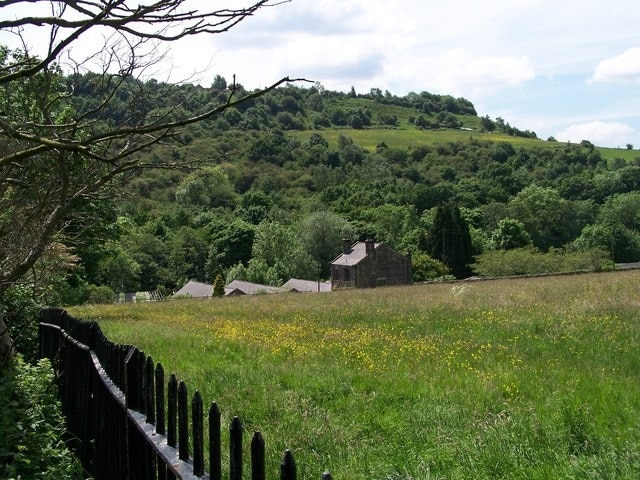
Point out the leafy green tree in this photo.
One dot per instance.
(256, 272)
(550, 220)
(339, 117)
(278, 246)
(219, 83)
(209, 187)
(272, 146)
(119, 271)
(510, 234)
(617, 229)
(322, 233)
(487, 123)
(315, 139)
(188, 250)
(230, 244)
(391, 223)
(622, 209)
(449, 240)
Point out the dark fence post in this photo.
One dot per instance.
(160, 425)
(215, 443)
(142, 392)
(326, 476)
(257, 457)
(172, 412)
(133, 380)
(183, 422)
(288, 467)
(198, 435)
(235, 449)
(149, 390)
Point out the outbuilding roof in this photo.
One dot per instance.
(295, 284)
(195, 289)
(238, 286)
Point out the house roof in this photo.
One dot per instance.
(238, 286)
(298, 285)
(358, 252)
(195, 289)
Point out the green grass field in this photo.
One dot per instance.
(406, 135)
(519, 379)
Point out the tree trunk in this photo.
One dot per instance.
(6, 344)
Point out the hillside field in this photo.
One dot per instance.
(519, 379)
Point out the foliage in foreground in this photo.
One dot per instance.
(518, 379)
(31, 445)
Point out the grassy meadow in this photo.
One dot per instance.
(406, 136)
(519, 379)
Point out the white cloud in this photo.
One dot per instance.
(606, 134)
(460, 73)
(622, 68)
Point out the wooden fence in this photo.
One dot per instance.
(119, 420)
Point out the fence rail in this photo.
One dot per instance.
(121, 423)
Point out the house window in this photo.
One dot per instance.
(347, 275)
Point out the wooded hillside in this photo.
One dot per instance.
(284, 177)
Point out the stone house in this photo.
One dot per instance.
(369, 264)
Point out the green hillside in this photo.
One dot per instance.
(269, 189)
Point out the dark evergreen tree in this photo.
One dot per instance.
(218, 286)
(449, 240)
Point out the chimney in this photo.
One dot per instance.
(346, 246)
(369, 246)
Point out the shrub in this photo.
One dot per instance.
(21, 306)
(32, 425)
(529, 261)
(100, 294)
(426, 268)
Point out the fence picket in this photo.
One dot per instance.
(132, 382)
(142, 393)
(257, 457)
(215, 444)
(183, 422)
(172, 412)
(235, 449)
(160, 424)
(150, 390)
(288, 466)
(198, 434)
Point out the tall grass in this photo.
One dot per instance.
(522, 379)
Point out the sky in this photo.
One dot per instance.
(568, 69)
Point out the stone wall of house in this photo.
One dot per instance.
(384, 266)
(343, 277)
